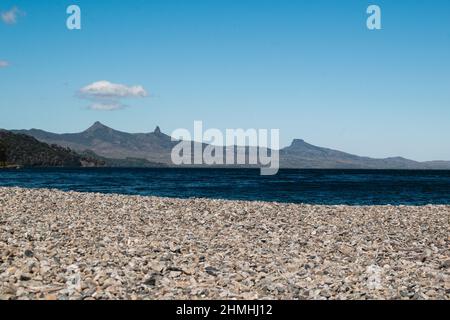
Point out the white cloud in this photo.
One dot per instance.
(11, 16)
(3, 64)
(106, 89)
(106, 106)
(108, 96)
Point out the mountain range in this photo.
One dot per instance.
(116, 148)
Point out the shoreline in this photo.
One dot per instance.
(69, 245)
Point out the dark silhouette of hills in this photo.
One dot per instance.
(26, 151)
(117, 148)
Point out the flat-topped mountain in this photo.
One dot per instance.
(156, 147)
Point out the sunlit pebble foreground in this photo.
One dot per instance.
(57, 245)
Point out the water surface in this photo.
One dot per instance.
(351, 187)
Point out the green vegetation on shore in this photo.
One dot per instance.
(2, 155)
(18, 150)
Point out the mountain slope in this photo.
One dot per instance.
(106, 142)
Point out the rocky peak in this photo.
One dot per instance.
(298, 143)
(97, 126)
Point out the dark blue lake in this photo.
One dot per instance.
(353, 187)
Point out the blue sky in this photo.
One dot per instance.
(310, 68)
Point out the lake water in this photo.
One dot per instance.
(352, 187)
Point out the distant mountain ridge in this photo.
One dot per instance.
(107, 142)
(304, 155)
(146, 149)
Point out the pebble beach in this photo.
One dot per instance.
(58, 245)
